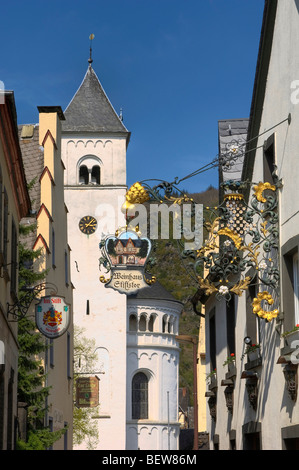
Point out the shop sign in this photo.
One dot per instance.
(87, 392)
(52, 316)
(126, 255)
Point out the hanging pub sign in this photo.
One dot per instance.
(87, 392)
(125, 255)
(52, 316)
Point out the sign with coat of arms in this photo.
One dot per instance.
(125, 256)
(52, 316)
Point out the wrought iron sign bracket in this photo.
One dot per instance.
(19, 309)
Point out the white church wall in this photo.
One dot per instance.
(156, 354)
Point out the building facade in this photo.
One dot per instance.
(251, 355)
(41, 150)
(94, 147)
(14, 204)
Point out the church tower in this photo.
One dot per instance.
(134, 335)
(94, 144)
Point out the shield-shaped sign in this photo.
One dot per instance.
(52, 316)
(126, 254)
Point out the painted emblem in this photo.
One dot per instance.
(125, 255)
(52, 316)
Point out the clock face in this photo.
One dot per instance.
(88, 224)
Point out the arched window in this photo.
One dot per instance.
(132, 323)
(89, 169)
(151, 323)
(83, 174)
(96, 175)
(140, 396)
(165, 324)
(142, 323)
(170, 324)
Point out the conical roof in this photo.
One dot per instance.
(155, 292)
(90, 109)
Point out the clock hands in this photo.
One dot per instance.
(92, 223)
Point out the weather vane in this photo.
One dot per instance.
(91, 37)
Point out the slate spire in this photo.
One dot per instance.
(90, 109)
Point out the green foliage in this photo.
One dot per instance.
(40, 440)
(31, 375)
(172, 272)
(85, 428)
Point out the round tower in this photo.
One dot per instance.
(152, 370)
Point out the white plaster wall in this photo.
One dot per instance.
(110, 151)
(157, 355)
(106, 322)
(275, 409)
(281, 99)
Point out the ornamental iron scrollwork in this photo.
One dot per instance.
(19, 309)
(240, 237)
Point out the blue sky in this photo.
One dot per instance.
(174, 67)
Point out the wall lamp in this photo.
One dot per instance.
(248, 340)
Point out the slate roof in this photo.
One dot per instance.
(90, 109)
(232, 131)
(33, 160)
(155, 292)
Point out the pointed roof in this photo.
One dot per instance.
(155, 292)
(90, 109)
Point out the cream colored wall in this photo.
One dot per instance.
(52, 195)
(201, 376)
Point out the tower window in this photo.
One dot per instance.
(132, 323)
(96, 175)
(83, 174)
(140, 396)
(142, 323)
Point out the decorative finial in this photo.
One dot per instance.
(91, 37)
